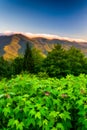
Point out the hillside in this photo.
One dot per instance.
(13, 45)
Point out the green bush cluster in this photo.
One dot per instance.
(28, 102)
(60, 62)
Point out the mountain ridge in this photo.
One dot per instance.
(47, 36)
(12, 45)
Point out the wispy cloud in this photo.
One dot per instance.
(48, 36)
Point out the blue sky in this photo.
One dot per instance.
(59, 17)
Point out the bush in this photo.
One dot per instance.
(30, 103)
(42, 75)
(60, 62)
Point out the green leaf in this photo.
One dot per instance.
(2, 95)
(16, 122)
(11, 121)
(45, 122)
(32, 112)
(6, 111)
(54, 114)
(29, 121)
(54, 128)
(60, 126)
(20, 126)
(38, 115)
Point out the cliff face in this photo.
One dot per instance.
(13, 45)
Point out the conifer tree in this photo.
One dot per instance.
(28, 63)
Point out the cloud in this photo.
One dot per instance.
(48, 36)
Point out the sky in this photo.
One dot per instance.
(67, 18)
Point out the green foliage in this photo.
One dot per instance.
(28, 61)
(42, 75)
(30, 103)
(60, 62)
(17, 65)
(56, 62)
(76, 61)
(38, 59)
(5, 68)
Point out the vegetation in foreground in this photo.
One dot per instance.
(28, 102)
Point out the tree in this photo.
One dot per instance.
(55, 63)
(5, 68)
(38, 59)
(17, 65)
(76, 61)
(60, 62)
(28, 62)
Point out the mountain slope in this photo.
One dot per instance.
(13, 45)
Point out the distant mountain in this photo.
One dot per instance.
(14, 44)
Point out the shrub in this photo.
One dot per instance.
(31, 103)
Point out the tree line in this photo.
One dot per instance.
(58, 63)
